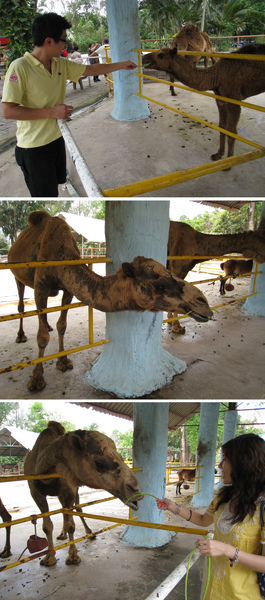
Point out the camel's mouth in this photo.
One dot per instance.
(133, 500)
(198, 317)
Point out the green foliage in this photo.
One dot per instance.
(87, 24)
(14, 214)
(8, 412)
(122, 440)
(91, 208)
(37, 418)
(224, 221)
(16, 22)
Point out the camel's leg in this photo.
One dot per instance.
(21, 337)
(233, 116)
(36, 381)
(63, 363)
(63, 534)
(6, 519)
(67, 500)
(222, 107)
(172, 89)
(47, 525)
(176, 327)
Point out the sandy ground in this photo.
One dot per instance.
(225, 357)
(108, 570)
(120, 153)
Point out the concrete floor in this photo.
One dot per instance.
(120, 153)
(108, 570)
(225, 357)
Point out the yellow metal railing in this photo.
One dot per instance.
(92, 344)
(162, 181)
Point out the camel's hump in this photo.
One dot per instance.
(37, 217)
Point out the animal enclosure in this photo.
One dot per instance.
(163, 181)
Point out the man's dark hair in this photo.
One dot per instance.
(48, 25)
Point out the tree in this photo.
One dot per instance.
(14, 215)
(91, 208)
(224, 221)
(16, 22)
(7, 410)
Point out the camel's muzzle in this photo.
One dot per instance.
(198, 317)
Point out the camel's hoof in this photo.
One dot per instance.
(5, 554)
(180, 330)
(64, 363)
(73, 560)
(48, 561)
(62, 536)
(21, 339)
(36, 383)
(216, 156)
(50, 328)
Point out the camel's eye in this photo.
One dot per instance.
(161, 55)
(160, 287)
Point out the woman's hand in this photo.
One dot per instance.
(215, 548)
(129, 65)
(165, 504)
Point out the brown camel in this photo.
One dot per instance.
(236, 79)
(234, 268)
(81, 458)
(190, 38)
(186, 241)
(141, 285)
(6, 518)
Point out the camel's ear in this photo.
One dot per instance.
(128, 269)
(76, 441)
(174, 51)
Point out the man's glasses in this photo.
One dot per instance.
(64, 40)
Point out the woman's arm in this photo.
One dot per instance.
(11, 110)
(102, 68)
(214, 548)
(186, 513)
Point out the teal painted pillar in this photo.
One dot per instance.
(150, 454)
(134, 363)
(124, 35)
(206, 453)
(256, 304)
(230, 424)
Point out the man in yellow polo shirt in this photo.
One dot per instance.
(33, 95)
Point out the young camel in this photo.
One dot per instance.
(236, 79)
(6, 518)
(185, 241)
(81, 458)
(141, 285)
(233, 268)
(190, 38)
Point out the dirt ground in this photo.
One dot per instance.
(224, 357)
(119, 153)
(108, 570)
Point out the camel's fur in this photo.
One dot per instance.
(141, 285)
(190, 38)
(237, 79)
(81, 458)
(6, 517)
(234, 268)
(186, 241)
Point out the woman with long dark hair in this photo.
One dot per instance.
(238, 541)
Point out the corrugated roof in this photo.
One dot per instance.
(226, 204)
(179, 412)
(15, 441)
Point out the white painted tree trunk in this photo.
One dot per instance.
(124, 36)
(134, 363)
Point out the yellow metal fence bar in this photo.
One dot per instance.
(206, 123)
(162, 181)
(53, 263)
(35, 361)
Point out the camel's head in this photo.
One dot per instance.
(161, 60)
(94, 461)
(154, 288)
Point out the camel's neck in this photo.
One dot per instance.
(108, 294)
(223, 244)
(199, 79)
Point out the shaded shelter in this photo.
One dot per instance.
(16, 442)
